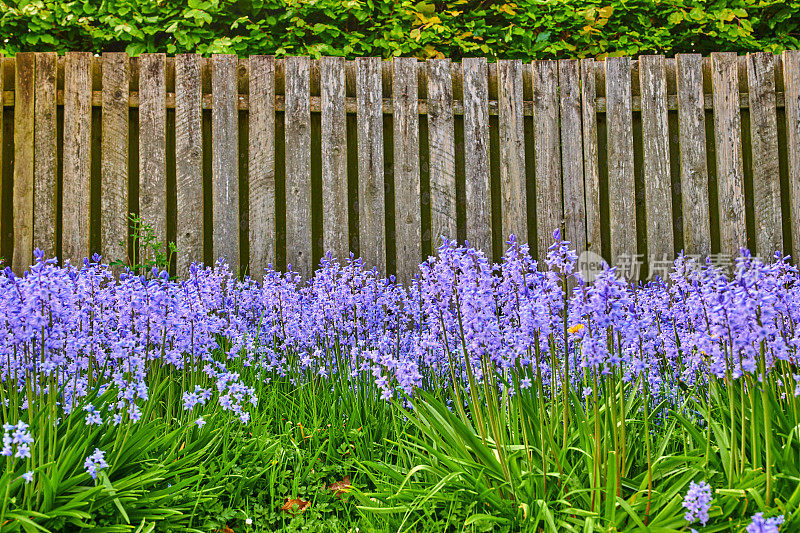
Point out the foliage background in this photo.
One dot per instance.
(525, 29)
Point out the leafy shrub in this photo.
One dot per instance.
(525, 29)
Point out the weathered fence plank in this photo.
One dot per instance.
(728, 145)
(513, 187)
(224, 162)
(23, 160)
(408, 222)
(573, 193)
(476, 154)
(335, 221)
(441, 145)
(764, 145)
(547, 153)
(188, 160)
(298, 165)
(153, 143)
(44, 150)
(655, 137)
(114, 158)
(791, 82)
(622, 210)
(77, 156)
(590, 153)
(371, 197)
(692, 144)
(261, 169)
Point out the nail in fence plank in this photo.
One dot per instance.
(692, 142)
(153, 143)
(23, 160)
(77, 178)
(188, 160)
(476, 154)
(591, 180)
(262, 164)
(547, 156)
(441, 143)
(622, 207)
(728, 144)
(114, 158)
(764, 143)
(335, 222)
(572, 153)
(44, 162)
(371, 217)
(655, 137)
(408, 231)
(224, 162)
(298, 165)
(512, 150)
(791, 82)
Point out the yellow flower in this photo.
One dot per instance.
(575, 328)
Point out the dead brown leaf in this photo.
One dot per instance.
(295, 506)
(340, 487)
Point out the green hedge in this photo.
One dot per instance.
(526, 29)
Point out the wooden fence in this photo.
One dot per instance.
(265, 161)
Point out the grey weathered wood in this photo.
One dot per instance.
(262, 165)
(188, 160)
(728, 143)
(572, 153)
(153, 143)
(476, 154)
(512, 150)
(44, 163)
(23, 160)
(692, 142)
(371, 216)
(335, 222)
(791, 83)
(764, 144)
(77, 156)
(622, 207)
(655, 137)
(441, 146)
(114, 158)
(547, 155)
(591, 180)
(224, 162)
(408, 222)
(298, 165)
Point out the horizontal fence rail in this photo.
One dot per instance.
(274, 161)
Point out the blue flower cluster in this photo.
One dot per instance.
(697, 502)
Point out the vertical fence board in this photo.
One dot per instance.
(441, 143)
(371, 216)
(23, 160)
(77, 158)
(261, 153)
(476, 154)
(512, 150)
(791, 82)
(728, 145)
(153, 143)
(622, 208)
(547, 156)
(224, 163)
(45, 163)
(692, 142)
(408, 222)
(114, 157)
(335, 222)
(655, 137)
(188, 160)
(572, 153)
(298, 164)
(764, 144)
(591, 179)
